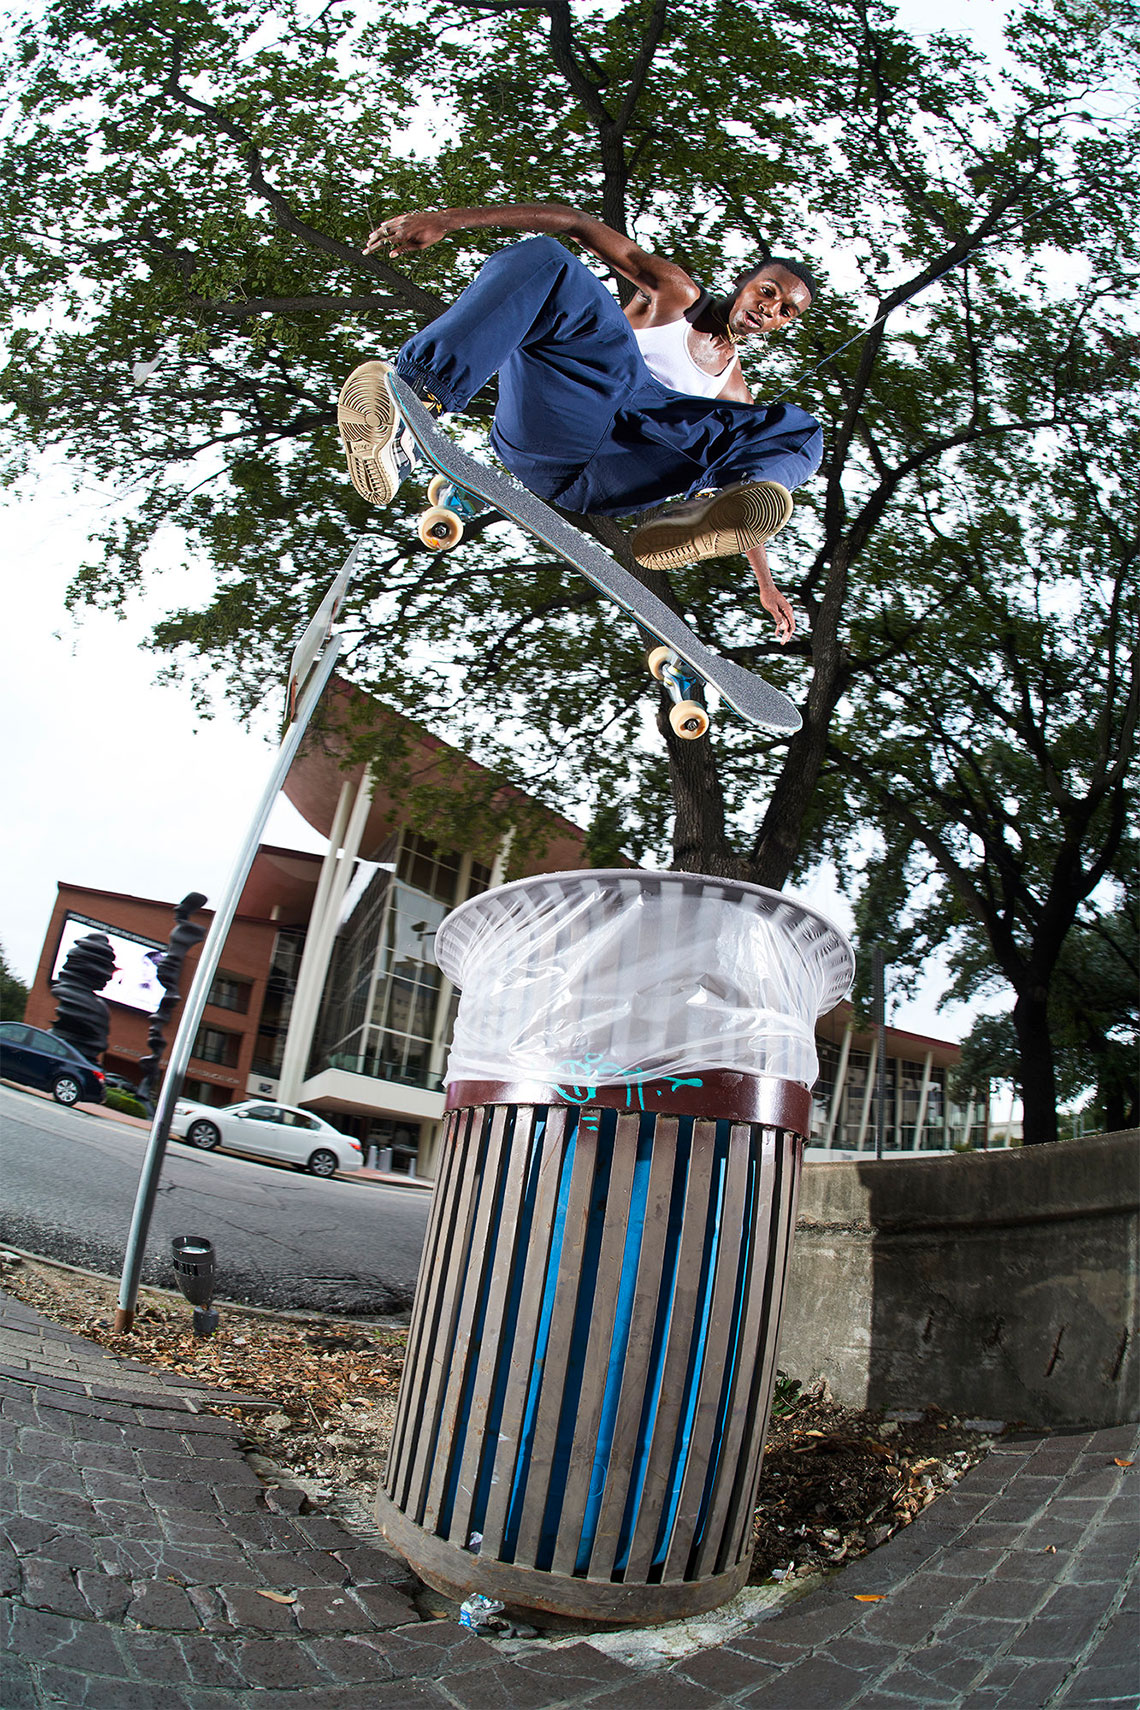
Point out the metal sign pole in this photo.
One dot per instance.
(180, 1052)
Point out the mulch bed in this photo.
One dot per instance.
(835, 1484)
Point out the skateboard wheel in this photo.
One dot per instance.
(437, 487)
(657, 659)
(440, 529)
(689, 720)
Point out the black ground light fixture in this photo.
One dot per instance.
(193, 1258)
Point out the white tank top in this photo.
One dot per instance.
(666, 353)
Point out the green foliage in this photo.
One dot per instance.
(1094, 1019)
(13, 992)
(989, 1053)
(786, 1396)
(116, 1099)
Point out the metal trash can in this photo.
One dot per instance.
(592, 1350)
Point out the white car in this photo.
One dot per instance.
(263, 1130)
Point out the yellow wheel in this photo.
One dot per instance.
(689, 720)
(437, 485)
(440, 529)
(657, 658)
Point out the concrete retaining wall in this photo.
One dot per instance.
(1001, 1285)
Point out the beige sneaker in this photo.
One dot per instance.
(713, 525)
(379, 454)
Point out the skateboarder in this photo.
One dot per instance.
(600, 410)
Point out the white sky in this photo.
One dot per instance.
(113, 782)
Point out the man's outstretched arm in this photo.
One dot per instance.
(770, 596)
(661, 281)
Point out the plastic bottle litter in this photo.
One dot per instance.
(482, 1614)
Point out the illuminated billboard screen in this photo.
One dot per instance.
(134, 982)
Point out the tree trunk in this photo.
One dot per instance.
(1038, 1069)
(782, 830)
(700, 842)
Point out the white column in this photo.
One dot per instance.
(840, 1084)
(969, 1122)
(502, 854)
(427, 1163)
(320, 937)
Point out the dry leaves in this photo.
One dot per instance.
(333, 1382)
(833, 1487)
(835, 1483)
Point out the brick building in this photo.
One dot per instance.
(328, 994)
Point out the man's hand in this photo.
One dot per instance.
(770, 596)
(406, 232)
(785, 618)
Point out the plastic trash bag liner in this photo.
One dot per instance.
(604, 977)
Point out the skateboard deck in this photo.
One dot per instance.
(687, 660)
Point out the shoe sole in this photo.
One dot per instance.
(733, 523)
(369, 421)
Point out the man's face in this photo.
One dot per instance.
(771, 299)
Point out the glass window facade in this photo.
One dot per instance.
(380, 1014)
(230, 992)
(205, 1092)
(844, 1109)
(214, 1046)
(277, 1007)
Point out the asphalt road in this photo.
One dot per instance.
(282, 1239)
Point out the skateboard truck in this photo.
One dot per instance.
(441, 526)
(687, 717)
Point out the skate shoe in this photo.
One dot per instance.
(379, 449)
(713, 524)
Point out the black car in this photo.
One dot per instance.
(40, 1059)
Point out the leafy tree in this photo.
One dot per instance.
(1098, 994)
(189, 188)
(1094, 1019)
(989, 1053)
(13, 991)
(998, 757)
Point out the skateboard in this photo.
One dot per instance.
(463, 486)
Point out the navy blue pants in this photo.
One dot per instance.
(580, 419)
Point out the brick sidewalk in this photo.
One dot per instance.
(141, 1542)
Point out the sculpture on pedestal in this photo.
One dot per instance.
(81, 1015)
(169, 973)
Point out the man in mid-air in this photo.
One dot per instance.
(600, 409)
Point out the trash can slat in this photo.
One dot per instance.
(512, 1159)
(447, 1299)
(474, 1263)
(520, 1355)
(784, 1195)
(423, 1330)
(597, 1359)
(702, 1452)
(753, 1333)
(631, 1398)
(679, 1346)
(554, 1371)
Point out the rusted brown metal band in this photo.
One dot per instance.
(457, 1573)
(718, 1093)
